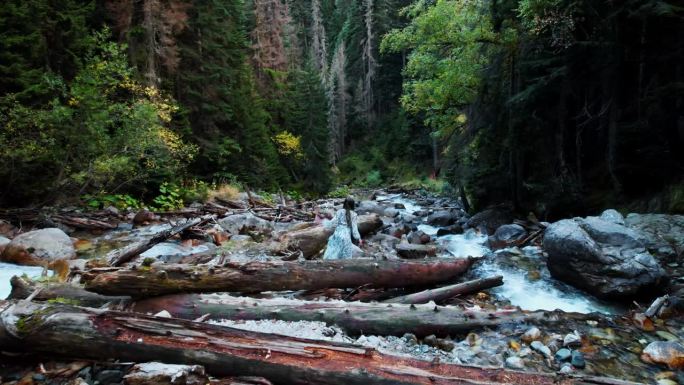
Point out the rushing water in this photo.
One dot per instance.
(8, 270)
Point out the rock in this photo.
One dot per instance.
(245, 224)
(507, 236)
(144, 217)
(387, 241)
(370, 207)
(539, 347)
(399, 206)
(421, 213)
(419, 237)
(410, 338)
(398, 230)
(667, 336)
(445, 344)
(391, 213)
(442, 218)
(412, 251)
(566, 368)
(515, 362)
(613, 216)
(572, 340)
(154, 373)
(577, 359)
(453, 229)
(532, 334)
(109, 376)
(642, 322)
(603, 258)
(663, 234)
(3, 242)
(430, 340)
(665, 353)
(163, 314)
(563, 355)
(39, 246)
(490, 219)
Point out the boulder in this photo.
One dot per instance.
(246, 223)
(418, 238)
(398, 230)
(663, 234)
(144, 217)
(442, 218)
(665, 353)
(3, 242)
(603, 258)
(490, 219)
(391, 212)
(370, 207)
(411, 251)
(507, 236)
(453, 229)
(613, 216)
(39, 246)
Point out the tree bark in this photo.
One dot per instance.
(450, 291)
(274, 276)
(312, 240)
(65, 331)
(355, 318)
(23, 288)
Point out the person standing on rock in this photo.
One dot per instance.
(342, 244)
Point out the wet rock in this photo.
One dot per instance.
(572, 340)
(490, 219)
(3, 242)
(398, 230)
(418, 237)
(566, 368)
(539, 347)
(665, 353)
(38, 246)
(144, 217)
(563, 355)
(370, 207)
(388, 242)
(246, 223)
(663, 234)
(603, 258)
(532, 334)
(412, 251)
(442, 218)
(391, 213)
(421, 213)
(399, 206)
(507, 236)
(453, 229)
(642, 322)
(430, 340)
(515, 362)
(613, 216)
(577, 360)
(109, 376)
(410, 338)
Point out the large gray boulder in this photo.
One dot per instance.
(39, 246)
(246, 223)
(507, 236)
(605, 259)
(442, 218)
(663, 234)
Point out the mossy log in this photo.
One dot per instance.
(61, 331)
(256, 277)
(355, 318)
(312, 240)
(74, 294)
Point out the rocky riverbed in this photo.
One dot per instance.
(609, 266)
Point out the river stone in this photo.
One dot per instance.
(3, 242)
(665, 353)
(370, 207)
(38, 246)
(532, 334)
(539, 347)
(566, 368)
(572, 340)
(515, 362)
(453, 229)
(246, 223)
(663, 234)
(442, 218)
(418, 237)
(613, 216)
(490, 219)
(563, 355)
(577, 360)
(412, 251)
(603, 258)
(507, 236)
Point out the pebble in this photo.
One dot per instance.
(566, 368)
(572, 340)
(577, 360)
(563, 355)
(515, 362)
(541, 348)
(533, 334)
(514, 345)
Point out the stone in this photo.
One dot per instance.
(144, 217)
(399, 206)
(667, 336)
(391, 212)
(563, 355)
(109, 376)
(410, 338)
(453, 229)
(370, 207)
(642, 322)
(566, 368)
(665, 353)
(246, 224)
(613, 216)
(164, 374)
(442, 218)
(490, 219)
(418, 237)
(532, 334)
(572, 340)
(602, 258)
(39, 246)
(539, 347)
(411, 251)
(577, 360)
(3, 242)
(663, 234)
(515, 362)
(507, 236)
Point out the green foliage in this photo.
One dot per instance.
(340, 192)
(169, 197)
(120, 201)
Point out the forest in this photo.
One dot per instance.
(557, 107)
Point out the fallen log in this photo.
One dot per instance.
(84, 222)
(446, 292)
(414, 251)
(60, 330)
(312, 240)
(253, 277)
(120, 256)
(22, 288)
(355, 318)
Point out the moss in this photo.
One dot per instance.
(26, 324)
(65, 301)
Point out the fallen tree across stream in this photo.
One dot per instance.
(252, 277)
(446, 292)
(61, 331)
(355, 318)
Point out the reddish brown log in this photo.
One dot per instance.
(255, 277)
(355, 318)
(59, 331)
(446, 292)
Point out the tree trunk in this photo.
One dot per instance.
(274, 276)
(72, 332)
(355, 318)
(450, 291)
(23, 288)
(312, 240)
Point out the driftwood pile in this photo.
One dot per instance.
(108, 316)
